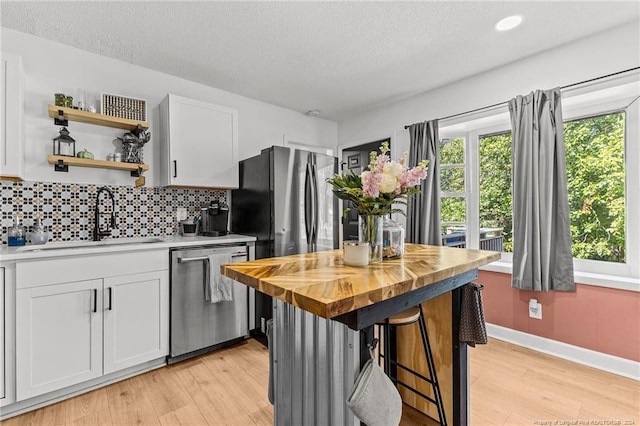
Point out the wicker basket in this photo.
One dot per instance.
(123, 107)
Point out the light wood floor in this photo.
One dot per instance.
(509, 386)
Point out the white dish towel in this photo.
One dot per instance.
(217, 287)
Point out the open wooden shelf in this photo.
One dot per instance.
(100, 164)
(95, 118)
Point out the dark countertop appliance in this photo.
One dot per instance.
(285, 202)
(214, 219)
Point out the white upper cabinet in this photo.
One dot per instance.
(11, 114)
(199, 144)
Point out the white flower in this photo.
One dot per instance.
(394, 169)
(388, 184)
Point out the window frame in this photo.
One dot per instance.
(583, 102)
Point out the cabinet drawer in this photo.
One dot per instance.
(69, 269)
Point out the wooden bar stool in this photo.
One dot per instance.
(391, 365)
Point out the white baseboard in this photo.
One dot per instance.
(612, 364)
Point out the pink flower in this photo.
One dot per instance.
(371, 183)
(412, 177)
(381, 160)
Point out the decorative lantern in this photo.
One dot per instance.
(64, 144)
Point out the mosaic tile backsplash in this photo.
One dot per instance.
(67, 209)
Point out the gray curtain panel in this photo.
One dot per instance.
(423, 211)
(542, 258)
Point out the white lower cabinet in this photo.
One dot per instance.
(58, 336)
(81, 329)
(135, 330)
(7, 333)
(3, 342)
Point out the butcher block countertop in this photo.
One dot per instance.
(321, 284)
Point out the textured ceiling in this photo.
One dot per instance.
(337, 57)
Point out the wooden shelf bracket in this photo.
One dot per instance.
(59, 166)
(59, 119)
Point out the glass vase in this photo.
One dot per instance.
(370, 230)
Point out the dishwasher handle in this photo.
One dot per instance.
(202, 258)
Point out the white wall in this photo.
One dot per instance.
(591, 57)
(51, 67)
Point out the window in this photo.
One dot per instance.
(596, 176)
(495, 215)
(453, 204)
(602, 154)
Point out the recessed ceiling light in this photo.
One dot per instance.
(508, 23)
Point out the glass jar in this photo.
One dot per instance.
(16, 234)
(392, 239)
(38, 234)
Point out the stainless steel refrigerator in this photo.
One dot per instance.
(286, 203)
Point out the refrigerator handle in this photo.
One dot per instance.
(314, 174)
(308, 208)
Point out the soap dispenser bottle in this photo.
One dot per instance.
(16, 234)
(38, 234)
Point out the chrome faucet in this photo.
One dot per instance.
(97, 233)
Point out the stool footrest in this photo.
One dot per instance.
(415, 373)
(428, 398)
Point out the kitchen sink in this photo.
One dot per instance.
(88, 244)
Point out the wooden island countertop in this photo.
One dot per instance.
(323, 322)
(321, 284)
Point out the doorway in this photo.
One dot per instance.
(356, 158)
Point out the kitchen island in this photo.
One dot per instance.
(324, 314)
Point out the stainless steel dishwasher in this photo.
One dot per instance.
(197, 325)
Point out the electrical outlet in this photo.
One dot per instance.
(535, 309)
(181, 213)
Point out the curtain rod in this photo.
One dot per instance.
(563, 87)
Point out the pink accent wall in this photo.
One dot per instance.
(597, 318)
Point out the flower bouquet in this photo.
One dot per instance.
(374, 192)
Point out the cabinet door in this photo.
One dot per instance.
(11, 113)
(136, 319)
(203, 144)
(58, 336)
(2, 341)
